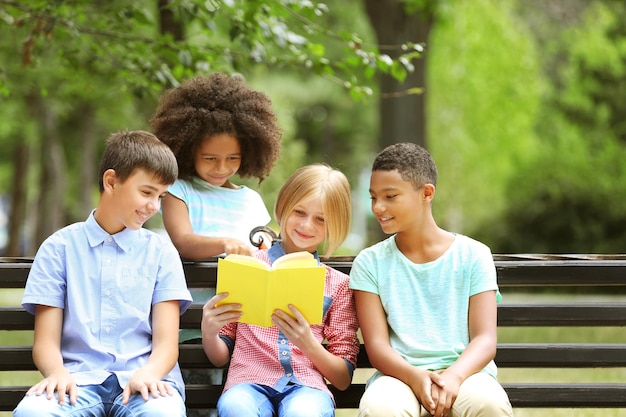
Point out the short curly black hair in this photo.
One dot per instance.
(413, 163)
(204, 106)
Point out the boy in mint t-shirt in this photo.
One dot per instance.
(426, 302)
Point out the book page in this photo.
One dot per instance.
(247, 260)
(246, 283)
(295, 258)
(302, 287)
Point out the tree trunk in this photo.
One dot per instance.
(17, 214)
(402, 116)
(51, 178)
(89, 161)
(168, 22)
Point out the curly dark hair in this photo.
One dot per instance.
(412, 161)
(204, 106)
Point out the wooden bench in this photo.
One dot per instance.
(545, 274)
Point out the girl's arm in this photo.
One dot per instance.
(189, 244)
(298, 331)
(149, 379)
(213, 319)
(383, 356)
(48, 358)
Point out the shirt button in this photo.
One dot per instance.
(283, 341)
(110, 239)
(107, 260)
(289, 374)
(284, 353)
(107, 329)
(108, 293)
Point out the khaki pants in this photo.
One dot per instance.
(480, 395)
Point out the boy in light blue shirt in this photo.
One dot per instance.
(107, 297)
(426, 302)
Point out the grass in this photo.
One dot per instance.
(505, 335)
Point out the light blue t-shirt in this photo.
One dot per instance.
(221, 212)
(106, 286)
(427, 304)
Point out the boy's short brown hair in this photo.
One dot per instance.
(127, 151)
(413, 163)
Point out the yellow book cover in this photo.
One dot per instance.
(295, 278)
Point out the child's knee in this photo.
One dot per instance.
(240, 401)
(308, 402)
(39, 405)
(381, 407)
(165, 406)
(484, 396)
(389, 396)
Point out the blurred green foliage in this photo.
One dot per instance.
(571, 196)
(526, 114)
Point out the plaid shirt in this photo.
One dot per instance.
(265, 356)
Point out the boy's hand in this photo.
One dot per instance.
(297, 329)
(445, 396)
(142, 382)
(423, 383)
(214, 318)
(61, 382)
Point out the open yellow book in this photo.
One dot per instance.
(295, 278)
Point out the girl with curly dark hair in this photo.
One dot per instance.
(217, 126)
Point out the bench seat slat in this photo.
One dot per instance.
(562, 314)
(560, 273)
(16, 318)
(510, 273)
(521, 395)
(571, 272)
(13, 275)
(509, 355)
(570, 314)
(10, 396)
(567, 396)
(560, 355)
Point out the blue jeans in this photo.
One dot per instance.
(252, 400)
(104, 400)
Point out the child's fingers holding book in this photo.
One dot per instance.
(213, 301)
(214, 317)
(289, 320)
(294, 326)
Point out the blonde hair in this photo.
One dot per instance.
(332, 188)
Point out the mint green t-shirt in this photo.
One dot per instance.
(427, 304)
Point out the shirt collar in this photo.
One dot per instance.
(199, 182)
(96, 235)
(276, 251)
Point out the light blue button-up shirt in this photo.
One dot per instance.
(106, 286)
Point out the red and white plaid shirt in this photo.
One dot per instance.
(265, 356)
